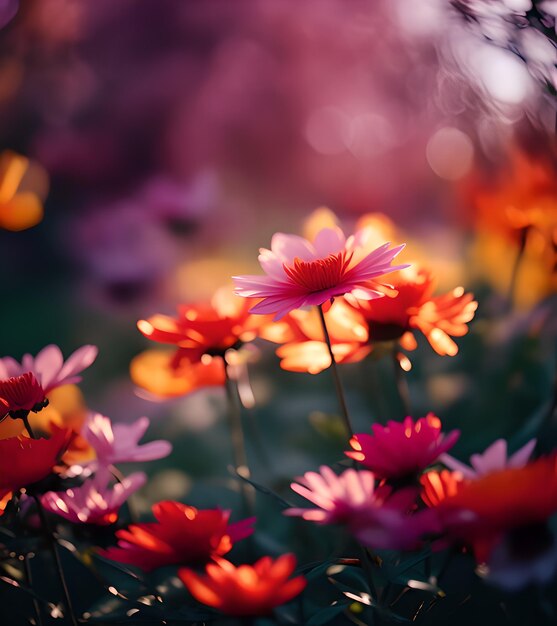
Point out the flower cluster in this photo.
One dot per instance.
(325, 301)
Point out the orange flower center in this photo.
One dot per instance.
(320, 274)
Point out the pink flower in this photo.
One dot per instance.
(376, 517)
(49, 367)
(338, 498)
(402, 448)
(94, 502)
(119, 443)
(493, 459)
(300, 273)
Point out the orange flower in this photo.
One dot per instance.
(304, 349)
(24, 461)
(202, 333)
(22, 189)
(516, 209)
(522, 195)
(182, 534)
(411, 306)
(246, 590)
(439, 485)
(482, 510)
(156, 372)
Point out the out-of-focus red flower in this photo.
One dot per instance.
(24, 461)
(181, 535)
(522, 195)
(304, 348)
(482, 511)
(411, 306)
(155, 372)
(202, 334)
(404, 448)
(246, 590)
(22, 394)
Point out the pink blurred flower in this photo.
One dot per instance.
(402, 448)
(49, 367)
(119, 443)
(376, 517)
(94, 502)
(493, 459)
(339, 498)
(300, 273)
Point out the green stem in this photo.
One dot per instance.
(336, 376)
(239, 454)
(27, 425)
(54, 549)
(119, 477)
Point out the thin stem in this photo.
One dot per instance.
(516, 267)
(119, 477)
(29, 580)
(25, 419)
(335, 373)
(401, 385)
(54, 549)
(238, 442)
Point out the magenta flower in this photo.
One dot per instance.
(376, 517)
(94, 502)
(402, 448)
(299, 272)
(119, 443)
(493, 459)
(49, 367)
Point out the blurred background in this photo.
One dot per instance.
(150, 149)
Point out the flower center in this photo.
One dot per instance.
(320, 274)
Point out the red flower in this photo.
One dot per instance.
(202, 334)
(181, 535)
(24, 461)
(439, 485)
(207, 328)
(23, 394)
(482, 511)
(402, 448)
(247, 590)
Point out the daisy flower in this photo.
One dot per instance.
(301, 273)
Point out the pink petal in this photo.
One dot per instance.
(522, 456)
(289, 247)
(329, 241)
(48, 363)
(78, 361)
